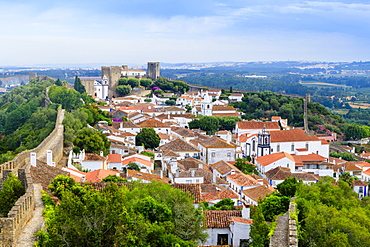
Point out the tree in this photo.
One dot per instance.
(123, 90)
(274, 205)
(92, 141)
(346, 177)
(355, 132)
(245, 167)
(133, 82)
(113, 179)
(58, 82)
(133, 166)
(78, 85)
(148, 137)
(170, 102)
(69, 99)
(12, 190)
(259, 228)
(123, 81)
(288, 187)
(146, 82)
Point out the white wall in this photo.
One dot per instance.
(240, 231)
(213, 233)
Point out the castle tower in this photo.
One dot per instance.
(206, 108)
(264, 140)
(153, 71)
(113, 74)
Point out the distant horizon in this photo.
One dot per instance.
(99, 65)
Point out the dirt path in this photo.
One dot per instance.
(26, 239)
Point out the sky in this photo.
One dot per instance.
(115, 32)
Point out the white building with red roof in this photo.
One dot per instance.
(271, 161)
(255, 127)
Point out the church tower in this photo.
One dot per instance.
(264, 147)
(206, 108)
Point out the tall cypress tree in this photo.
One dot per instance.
(78, 85)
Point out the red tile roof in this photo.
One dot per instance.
(138, 160)
(258, 192)
(294, 135)
(193, 189)
(153, 124)
(216, 142)
(270, 158)
(282, 173)
(178, 145)
(242, 220)
(114, 158)
(220, 218)
(225, 194)
(147, 176)
(98, 175)
(242, 179)
(94, 157)
(258, 125)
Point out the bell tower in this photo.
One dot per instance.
(264, 143)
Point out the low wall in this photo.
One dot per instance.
(293, 237)
(11, 227)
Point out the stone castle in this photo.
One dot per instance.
(111, 74)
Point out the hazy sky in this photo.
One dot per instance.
(114, 32)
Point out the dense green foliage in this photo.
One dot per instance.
(345, 156)
(113, 179)
(148, 137)
(92, 141)
(288, 187)
(175, 86)
(332, 215)
(224, 204)
(11, 191)
(123, 90)
(211, 124)
(145, 215)
(70, 99)
(245, 166)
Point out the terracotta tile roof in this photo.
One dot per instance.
(359, 183)
(44, 173)
(275, 118)
(98, 175)
(207, 175)
(242, 220)
(311, 158)
(258, 125)
(94, 157)
(193, 189)
(147, 176)
(260, 179)
(199, 139)
(224, 167)
(258, 192)
(183, 132)
(236, 94)
(129, 125)
(223, 132)
(208, 188)
(216, 142)
(236, 114)
(367, 172)
(222, 108)
(282, 173)
(363, 164)
(178, 145)
(219, 195)
(170, 154)
(220, 218)
(242, 179)
(138, 160)
(114, 158)
(153, 124)
(350, 166)
(174, 108)
(294, 135)
(191, 162)
(270, 158)
(336, 161)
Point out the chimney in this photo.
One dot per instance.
(246, 212)
(161, 174)
(214, 177)
(101, 153)
(33, 159)
(120, 125)
(49, 157)
(232, 172)
(192, 172)
(200, 166)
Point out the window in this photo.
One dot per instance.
(278, 148)
(228, 154)
(222, 239)
(213, 154)
(197, 181)
(187, 155)
(292, 147)
(254, 145)
(188, 181)
(307, 146)
(361, 190)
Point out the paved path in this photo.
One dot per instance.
(281, 234)
(26, 239)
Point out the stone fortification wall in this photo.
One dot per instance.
(11, 226)
(293, 238)
(53, 142)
